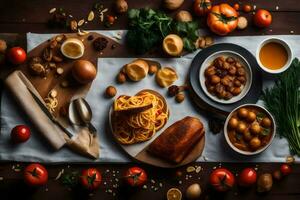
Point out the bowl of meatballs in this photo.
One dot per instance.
(225, 77)
(249, 129)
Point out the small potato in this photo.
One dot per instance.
(214, 79)
(241, 128)
(228, 96)
(236, 91)
(238, 65)
(241, 71)
(251, 116)
(230, 60)
(219, 89)
(255, 128)
(237, 83)
(226, 65)
(225, 81)
(255, 143)
(233, 123)
(266, 122)
(232, 70)
(242, 79)
(247, 136)
(243, 113)
(211, 70)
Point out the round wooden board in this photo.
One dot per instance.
(145, 157)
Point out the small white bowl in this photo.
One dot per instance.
(249, 152)
(287, 48)
(226, 53)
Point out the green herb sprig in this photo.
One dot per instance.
(283, 101)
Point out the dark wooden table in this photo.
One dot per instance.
(20, 17)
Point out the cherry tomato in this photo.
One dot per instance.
(20, 133)
(247, 177)
(262, 18)
(135, 176)
(285, 169)
(202, 7)
(16, 55)
(90, 178)
(35, 175)
(247, 8)
(221, 179)
(110, 19)
(236, 6)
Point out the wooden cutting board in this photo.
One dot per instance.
(53, 81)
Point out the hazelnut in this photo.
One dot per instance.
(121, 78)
(152, 69)
(179, 97)
(173, 90)
(111, 91)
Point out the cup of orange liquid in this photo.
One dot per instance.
(274, 55)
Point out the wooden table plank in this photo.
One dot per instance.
(32, 15)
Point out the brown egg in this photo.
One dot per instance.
(84, 71)
(243, 113)
(247, 136)
(233, 123)
(266, 122)
(255, 143)
(251, 116)
(241, 128)
(255, 128)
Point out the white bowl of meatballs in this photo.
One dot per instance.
(225, 77)
(249, 129)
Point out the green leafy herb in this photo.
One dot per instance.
(147, 28)
(188, 31)
(283, 101)
(265, 131)
(70, 179)
(260, 116)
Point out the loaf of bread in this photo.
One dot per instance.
(178, 139)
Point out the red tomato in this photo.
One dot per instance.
(247, 177)
(16, 55)
(221, 179)
(135, 176)
(90, 178)
(202, 7)
(285, 169)
(20, 133)
(35, 175)
(262, 18)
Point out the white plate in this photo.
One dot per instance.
(226, 54)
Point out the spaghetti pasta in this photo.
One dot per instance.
(134, 127)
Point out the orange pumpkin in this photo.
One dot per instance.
(222, 19)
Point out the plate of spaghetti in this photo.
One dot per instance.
(136, 119)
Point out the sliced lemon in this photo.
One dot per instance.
(72, 48)
(173, 45)
(174, 194)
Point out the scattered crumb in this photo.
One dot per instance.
(145, 187)
(292, 32)
(277, 8)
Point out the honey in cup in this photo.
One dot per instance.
(273, 55)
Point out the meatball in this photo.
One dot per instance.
(255, 128)
(232, 70)
(243, 113)
(251, 116)
(242, 79)
(225, 81)
(233, 123)
(230, 60)
(236, 91)
(266, 122)
(226, 65)
(228, 96)
(255, 143)
(219, 88)
(241, 128)
(247, 136)
(237, 83)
